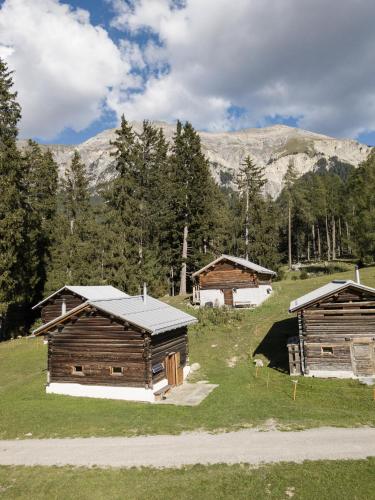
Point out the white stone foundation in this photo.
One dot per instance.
(331, 374)
(105, 391)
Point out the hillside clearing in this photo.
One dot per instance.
(241, 400)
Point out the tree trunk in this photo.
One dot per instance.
(333, 238)
(308, 250)
(184, 257)
(247, 226)
(328, 240)
(339, 246)
(348, 238)
(289, 236)
(313, 240)
(172, 281)
(319, 244)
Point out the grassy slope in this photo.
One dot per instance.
(241, 399)
(310, 480)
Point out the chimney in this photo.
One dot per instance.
(357, 278)
(63, 307)
(144, 293)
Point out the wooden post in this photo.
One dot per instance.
(256, 371)
(373, 394)
(295, 382)
(268, 378)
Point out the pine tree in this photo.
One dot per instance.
(12, 198)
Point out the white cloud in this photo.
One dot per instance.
(312, 60)
(198, 58)
(63, 65)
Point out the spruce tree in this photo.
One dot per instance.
(193, 200)
(77, 250)
(250, 183)
(42, 180)
(289, 180)
(12, 198)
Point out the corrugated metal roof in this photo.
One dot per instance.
(93, 292)
(151, 314)
(241, 262)
(325, 291)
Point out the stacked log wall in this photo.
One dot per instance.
(98, 343)
(227, 275)
(338, 322)
(53, 307)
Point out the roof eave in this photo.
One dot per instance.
(338, 289)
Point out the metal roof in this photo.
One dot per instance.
(240, 261)
(89, 293)
(326, 291)
(146, 312)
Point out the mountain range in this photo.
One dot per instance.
(271, 147)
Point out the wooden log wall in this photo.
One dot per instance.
(227, 275)
(98, 343)
(166, 343)
(340, 323)
(52, 309)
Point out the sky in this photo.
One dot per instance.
(220, 64)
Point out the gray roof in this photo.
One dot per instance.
(151, 314)
(241, 262)
(89, 293)
(325, 291)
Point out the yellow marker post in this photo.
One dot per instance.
(295, 382)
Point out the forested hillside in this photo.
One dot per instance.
(161, 216)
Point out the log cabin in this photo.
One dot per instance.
(68, 297)
(133, 348)
(232, 281)
(336, 336)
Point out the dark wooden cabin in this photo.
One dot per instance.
(133, 348)
(68, 297)
(232, 281)
(336, 332)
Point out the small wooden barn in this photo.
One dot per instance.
(132, 348)
(232, 281)
(336, 332)
(68, 297)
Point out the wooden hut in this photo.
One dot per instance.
(336, 332)
(68, 297)
(232, 281)
(132, 348)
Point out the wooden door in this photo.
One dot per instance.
(228, 296)
(363, 358)
(174, 371)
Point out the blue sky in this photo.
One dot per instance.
(220, 64)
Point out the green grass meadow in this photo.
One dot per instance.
(224, 344)
(354, 480)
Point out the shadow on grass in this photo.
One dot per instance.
(273, 345)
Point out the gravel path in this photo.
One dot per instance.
(251, 446)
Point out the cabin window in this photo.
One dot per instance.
(327, 350)
(117, 370)
(78, 370)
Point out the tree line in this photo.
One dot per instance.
(161, 217)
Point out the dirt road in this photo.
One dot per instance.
(250, 446)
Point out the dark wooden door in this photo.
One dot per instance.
(228, 296)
